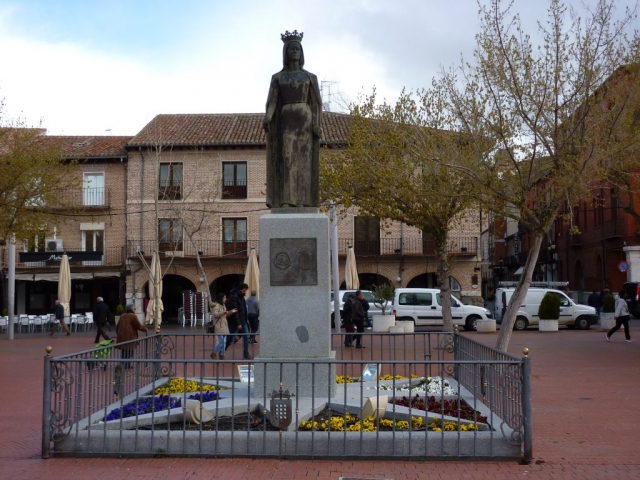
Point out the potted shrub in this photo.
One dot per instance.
(119, 311)
(384, 294)
(607, 311)
(5, 312)
(549, 312)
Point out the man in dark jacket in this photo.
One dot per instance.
(357, 315)
(101, 317)
(347, 321)
(59, 319)
(238, 321)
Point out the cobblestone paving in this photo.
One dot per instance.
(586, 399)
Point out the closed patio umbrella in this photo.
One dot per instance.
(64, 285)
(252, 273)
(351, 271)
(155, 306)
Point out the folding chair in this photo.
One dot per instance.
(81, 321)
(24, 322)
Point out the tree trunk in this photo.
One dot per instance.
(520, 292)
(444, 281)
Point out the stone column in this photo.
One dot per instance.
(633, 259)
(295, 323)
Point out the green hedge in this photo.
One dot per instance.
(549, 307)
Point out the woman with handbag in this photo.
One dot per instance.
(220, 326)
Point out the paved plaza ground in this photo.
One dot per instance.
(586, 400)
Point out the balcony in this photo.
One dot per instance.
(111, 257)
(418, 247)
(575, 240)
(206, 248)
(83, 198)
(234, 190)
(610, 229)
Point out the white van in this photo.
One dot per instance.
(423, 306)
(571, 314)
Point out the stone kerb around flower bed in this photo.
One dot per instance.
(91, 435)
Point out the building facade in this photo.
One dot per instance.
(193, 188)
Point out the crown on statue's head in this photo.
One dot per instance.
(291, 36)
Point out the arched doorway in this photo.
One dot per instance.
(368, 281)
(225, 284)
(425, 280)
(172, 288)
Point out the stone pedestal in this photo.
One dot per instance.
(295, 305)
(407, 327)
(486, 326)
(606, 321)
(382, 323)
(633, 259)
(548, 325)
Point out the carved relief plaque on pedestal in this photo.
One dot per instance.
(294, 262)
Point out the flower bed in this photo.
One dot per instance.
(452, 408)
(143, 405)
(180, 385)
(328, 420)
(427, 386)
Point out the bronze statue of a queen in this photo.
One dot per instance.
(292, 124)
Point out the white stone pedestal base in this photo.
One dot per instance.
(382, 323)
(607, 322)
(295, 309)
(548, 325)
(486, 326)
(407, 326)
(396, 329)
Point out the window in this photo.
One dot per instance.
(454, 301)
(93, 189)
(170, 186)
(564, 300)
(234, 182)
(423, 299)
(367, 235)
(170, 234)
(428, 244)
(93, 241)
(406, 299)
(234, 231)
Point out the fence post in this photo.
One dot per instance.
(527, 409)
(46, 405)
(157, 354)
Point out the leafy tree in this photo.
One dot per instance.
(391, 170)
(540, 106)
(32, 173)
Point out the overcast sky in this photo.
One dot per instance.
(88, 67)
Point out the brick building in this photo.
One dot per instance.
(194, 186)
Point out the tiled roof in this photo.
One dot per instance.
(224, 129)
(88, 146)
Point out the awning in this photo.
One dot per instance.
(53, 277)
(519, 271)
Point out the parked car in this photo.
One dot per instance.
(571, 314)
(368, 295)
(632, 289)
(423, 306)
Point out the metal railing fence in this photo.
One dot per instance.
(83, 390)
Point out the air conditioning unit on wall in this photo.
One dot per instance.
(53, 245)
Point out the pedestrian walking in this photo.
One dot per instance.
(347, 321)
(595, 301)
(253, 315)
(621, 316)
(127, 330)
(101, 317)
(238, 320)
(220, 325)
(358, 316)
(59, 318)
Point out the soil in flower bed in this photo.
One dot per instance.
(242, 422)
(452, 408)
